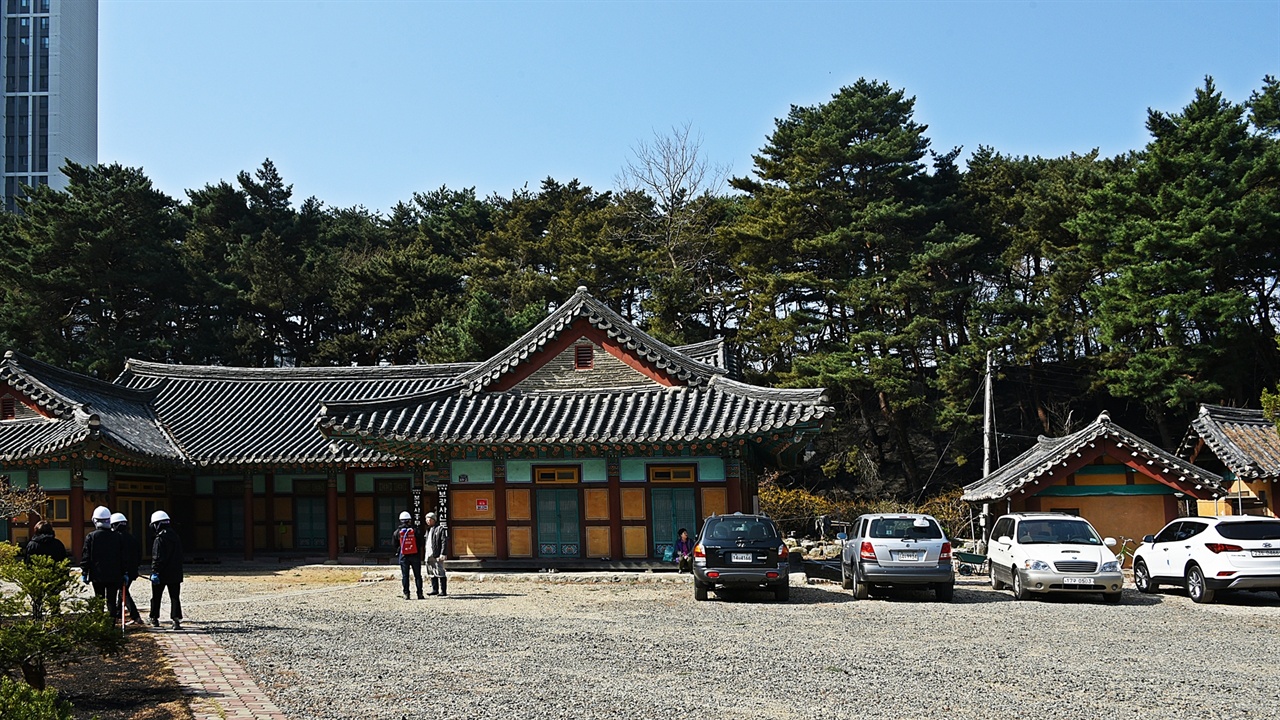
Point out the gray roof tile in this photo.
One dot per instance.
(1244, 440)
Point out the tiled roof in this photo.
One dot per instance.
(1050, 452)
(721, 409)
(675, 364)
(1244, 440)
(80, 409)
(222, 415)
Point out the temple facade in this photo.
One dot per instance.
(586, 443)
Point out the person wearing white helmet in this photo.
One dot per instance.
(102, 561)
(434, 547)
(132, 559)
(166, 569)
(409, 550)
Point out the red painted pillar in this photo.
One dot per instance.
(500, 507)
(613, 471)
(351, 511)
(75, 513)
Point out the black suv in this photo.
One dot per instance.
(740, 552)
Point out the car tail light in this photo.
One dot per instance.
(782, 552)
(945, 556)
(867, 551)
(698, 552)
(771, 575)
(1216, 548)
(1226, 573)
(713, 574)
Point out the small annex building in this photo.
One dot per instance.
(1123, 485)
(1244, 447)
(585, 443)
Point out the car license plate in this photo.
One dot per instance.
(1077, 581)
(908, 555)
(740, 557)
(1266, 553)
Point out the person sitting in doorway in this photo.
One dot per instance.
(684, 551)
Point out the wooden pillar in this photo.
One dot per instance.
(248, 516)
(331, 508)
(350, 497)
(75, 511)
(271, 511)
(613, 472)
(500, 507)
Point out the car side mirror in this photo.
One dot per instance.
(842, 536)
(1005, 539)
(1149, 539)
(1109, 542)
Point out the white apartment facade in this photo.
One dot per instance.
(49, 52)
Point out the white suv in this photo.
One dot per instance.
(1208, 554)
(1051, 553)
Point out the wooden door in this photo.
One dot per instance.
(311, 520)
(558, 525)
(673, 509)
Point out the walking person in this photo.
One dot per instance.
(434, 547)
(409, 550)
(102, 560)
(166, 569)
(45, 543)
(132, 559)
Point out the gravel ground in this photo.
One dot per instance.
(545, 646)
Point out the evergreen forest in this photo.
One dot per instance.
(852, 255)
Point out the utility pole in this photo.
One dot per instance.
(988, 422)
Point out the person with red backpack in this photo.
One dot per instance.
(409, 550)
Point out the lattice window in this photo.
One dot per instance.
(673, 473)
(556, 474)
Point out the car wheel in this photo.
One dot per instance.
(1019, 588)
(861, 591)
(846, 582)
(943, 592)
(1196, 586)
(1142, 578)
(1112, 598)
(699, 591)
(995, 582)
(782, 593)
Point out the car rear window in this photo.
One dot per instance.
(1071, 532)
(733, 528)
(1254, 530)
(904, 528)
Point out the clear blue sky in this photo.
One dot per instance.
(365, 103)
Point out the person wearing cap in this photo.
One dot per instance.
(166, 570)
(434, 547)
(102, 560)
(409, 551)
(132, 559)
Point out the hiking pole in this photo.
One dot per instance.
(124, 593)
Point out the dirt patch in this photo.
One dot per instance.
(257, 580)
(137, 684)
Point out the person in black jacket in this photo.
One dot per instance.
(102, 561)
(166, 569)
(409, 551)
(44, 542)
(132, 559)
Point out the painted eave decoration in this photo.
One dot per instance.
(1244, 440)
(1052, 458)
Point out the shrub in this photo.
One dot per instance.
(19, 701)
(795, 509)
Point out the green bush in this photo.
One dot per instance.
(20, 701)
(8, 551)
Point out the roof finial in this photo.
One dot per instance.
(582, 289)
(1104, 416)
(8, 354)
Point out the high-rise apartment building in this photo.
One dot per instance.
(50, 66)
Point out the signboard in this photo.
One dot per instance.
(417, 506)
(442, 504)
(482, 505)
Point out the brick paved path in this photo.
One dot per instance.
(218, 686)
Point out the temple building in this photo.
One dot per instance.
(586, 443)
